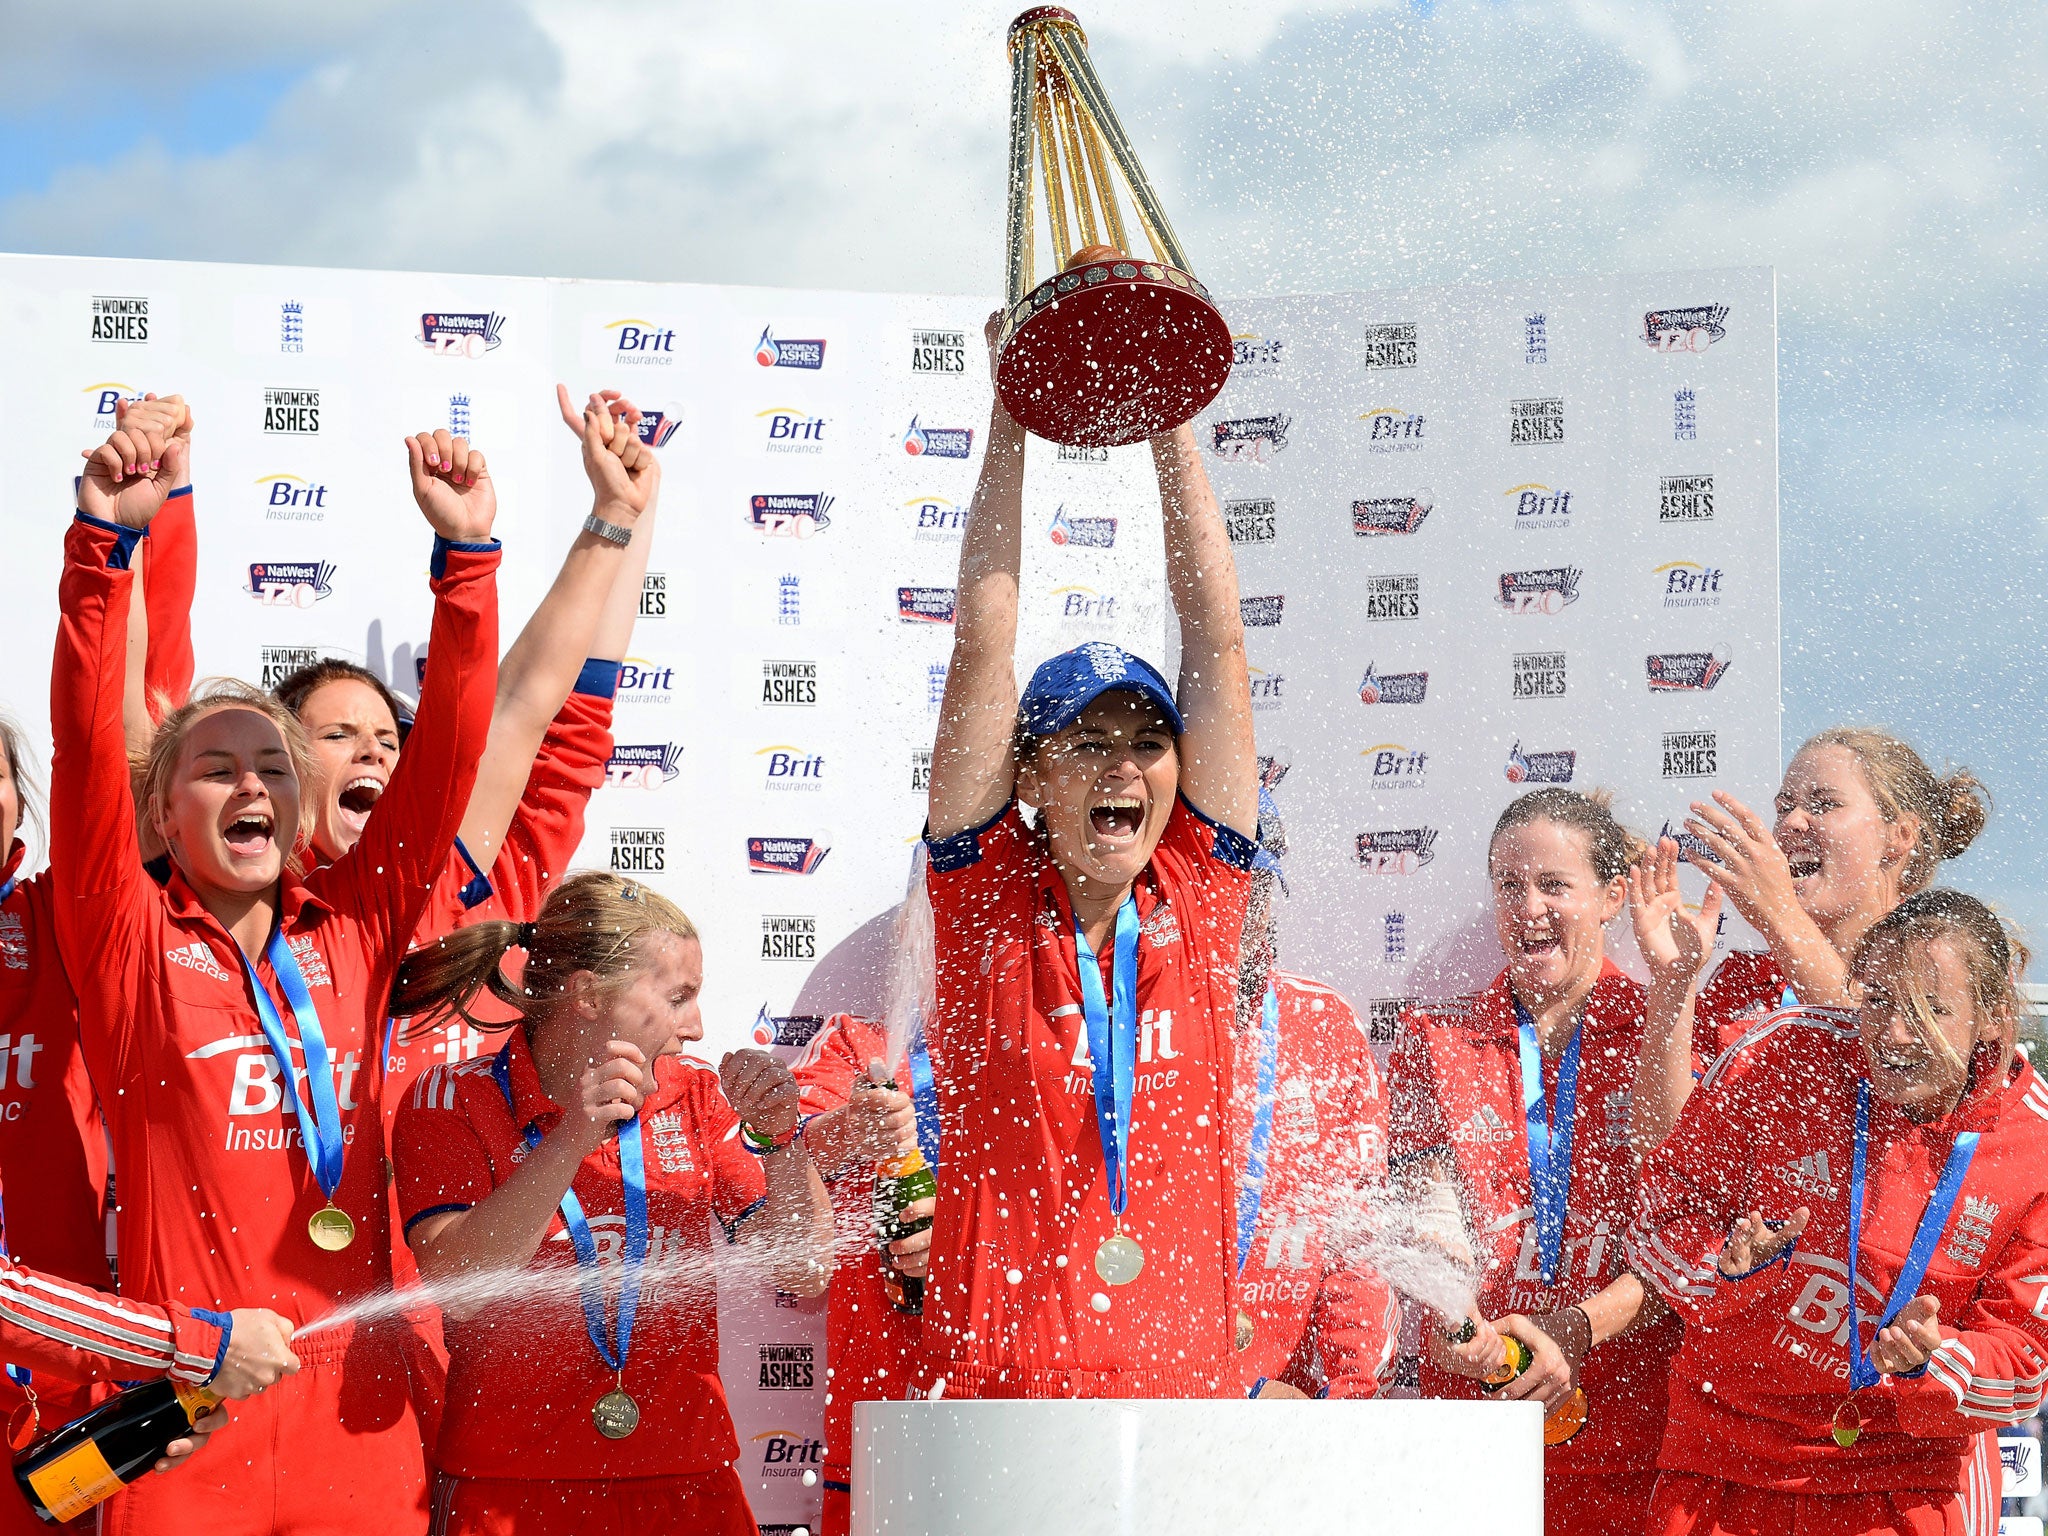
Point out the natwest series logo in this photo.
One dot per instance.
(1397, 851)
(1551, 590)
(1394, 766)
(120, 319)
(291, 583)
(292, 499)
(642, 765)
(938, 442)
(639, 851)
(1393, 430)
(786, 766)
(461, 335)
(1393, 688)
(1256, 438)
(656, 427)
(789, 514)
(935, 519)
(1540, 767)
(925, 605)
(785, 855)
(642, 343)
(1684, 671)
(938, 351)
(1688, 584)
(1393, 597)
(1685, 330)
(1390, 514)
(291, 412)
(1540, 507)
(1261, 612)
(791, 430)
(1081, 532)
(772, 351)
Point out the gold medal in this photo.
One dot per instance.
(1244, 1332)
(1848, 1425)
(616, 1415)
(330, 1228)
(1119, 1260)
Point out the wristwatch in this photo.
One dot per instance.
(611, 533)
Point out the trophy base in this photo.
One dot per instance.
(1111, 353)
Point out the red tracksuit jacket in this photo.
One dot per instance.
(82, 1334)
(1456, 1085)
(1746, 988)
(1765, 1364)
(1319, 1323)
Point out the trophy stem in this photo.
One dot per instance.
(1099, 161)
(1077, 167)
(1055, 189)
(1023, 76)
(1166, 246)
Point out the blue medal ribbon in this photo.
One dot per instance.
(1113, 1046)
(1252, 1192)
(6, 888)
(633, 1174)
(924, 1094)
(319, 1113)
(1550, 1139)
(1941, 1205)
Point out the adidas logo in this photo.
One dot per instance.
(1810, 1176)
(197, 957)
(1484, 1127)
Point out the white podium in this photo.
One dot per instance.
(1122, 1468)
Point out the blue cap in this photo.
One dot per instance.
(1067, 684)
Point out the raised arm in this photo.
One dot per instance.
(160, 607)
(1219, 769)
(1675, 944)
(974, 767)
(790, 1234)
(538, 672)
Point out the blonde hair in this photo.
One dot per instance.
(1610, 847)
(14, 747)
(1991, 951)
(152, 773)
(588, 923)
(1951, 808)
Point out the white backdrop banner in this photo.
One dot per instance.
(1488, 537)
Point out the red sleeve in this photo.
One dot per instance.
(439, 1158)
(838, 1054)
(1415, 1122)
(1694, 1187)
(385, 881)
(738, 1182)
(169, 585)
(547, 829)
(102, 895)
(81, 1335)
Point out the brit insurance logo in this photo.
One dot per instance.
(1269, 689)
(1685, 499)
(920, 441)
(789, 430)
(1536, 421)
(646, 682)
(935, 519)
(1084, 605)
(925, 605)
(785, 855)
(292, 499)
(789, 937)
(1253, 439)
(468, 334)
(1393, 597)
(1688, 584)
(789, 514)
(1690, 755)
(1537, 675)
(1540, 767)
(1393, 430)
(107, 396)
(1250, 521)
(1693, 329)
(773, 351)
(1378, 515)
(118, 318)
(1391, 765)
(1388, 346)
(1550, 590)
(1253, 356)
(1684, 671)
(291, 412)
(279, 662)
(291, 583)
(642, 765)
(785, 766)
(639, 851)
(1392, 687)
(1072, 532)
(637, 343)
(943, 352)
(1540, 508)
(789, 684)
(1396, 850)
(1261, 612)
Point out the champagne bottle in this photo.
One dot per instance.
(1564, 1420)
(77, 1465)
(901, 1181)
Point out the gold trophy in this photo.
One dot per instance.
(1110, 349)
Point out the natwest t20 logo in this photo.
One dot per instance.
(1256, 438)
(789, 514)
(642, 765)
(1685, 330)
(461, 335)
(1546, 591)
(291, 583)
(773, 351)
(1397, 851)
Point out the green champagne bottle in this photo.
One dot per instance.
(901, 1181)
(80, 1464)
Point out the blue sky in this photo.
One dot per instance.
(1883, 155)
